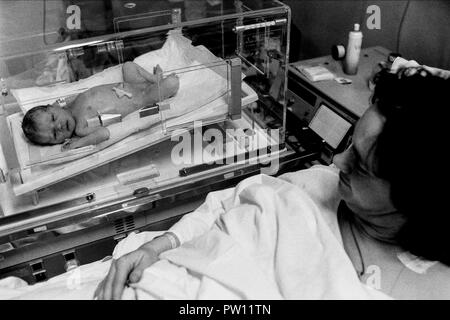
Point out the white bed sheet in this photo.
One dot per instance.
(267, 238)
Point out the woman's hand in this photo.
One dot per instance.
(126, 269)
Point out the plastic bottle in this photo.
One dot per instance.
(353, 51)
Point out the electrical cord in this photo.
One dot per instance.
(400, 27)
(44, 15)
(363, 267)
(363, 12)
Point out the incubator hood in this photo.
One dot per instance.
(231, 61)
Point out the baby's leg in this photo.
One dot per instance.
(167, 88)
(134, 73)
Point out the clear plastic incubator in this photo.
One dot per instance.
(62, 206)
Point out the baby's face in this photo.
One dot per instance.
(55, 126)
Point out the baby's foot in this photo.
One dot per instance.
(169, 86)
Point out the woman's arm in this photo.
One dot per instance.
(400, 64)
(445, 74)
(130, 266)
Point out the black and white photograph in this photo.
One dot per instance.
(224, 154)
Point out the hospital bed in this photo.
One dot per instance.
(229, 116)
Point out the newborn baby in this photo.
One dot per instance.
(52, 124)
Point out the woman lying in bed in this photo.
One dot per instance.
(389, 216)
(52, 124)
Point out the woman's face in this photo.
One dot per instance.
(363, 192)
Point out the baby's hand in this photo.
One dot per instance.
(120, 93)
(70, 144)
(157, 70)
(66, 145)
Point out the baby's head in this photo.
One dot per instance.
(48, 125)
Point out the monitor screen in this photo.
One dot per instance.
(329, 126)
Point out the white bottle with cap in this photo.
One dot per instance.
(353, 51)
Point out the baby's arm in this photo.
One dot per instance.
(93, 137)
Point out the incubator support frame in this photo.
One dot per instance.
(3, 131)
(235, 102)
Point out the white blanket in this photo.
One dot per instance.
(268, 238)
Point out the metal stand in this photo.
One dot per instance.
(235, 102)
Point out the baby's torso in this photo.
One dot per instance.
(118, 98)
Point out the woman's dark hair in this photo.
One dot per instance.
(29, 126)
(410, 155)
